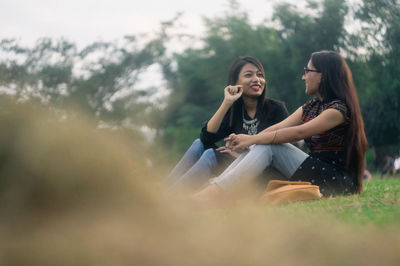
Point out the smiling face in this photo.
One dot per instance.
(312, 80)
(252, 80)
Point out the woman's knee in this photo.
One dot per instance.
(258, 151)
(260, 148)
(209, 154)
(287, 148)
(208, 158)
(197, 144)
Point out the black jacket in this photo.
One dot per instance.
(273, 112)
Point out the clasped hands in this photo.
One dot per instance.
(236, 143)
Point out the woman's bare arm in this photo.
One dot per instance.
(328, 119)
(231, 94)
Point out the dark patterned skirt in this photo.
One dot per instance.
(327, 172)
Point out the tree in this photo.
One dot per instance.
(321, 28)
(100, 79)
(380, 72)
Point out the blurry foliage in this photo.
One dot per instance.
(54, 72)
(196, 77)
(284, 45)
(284, 49)
(377, 74)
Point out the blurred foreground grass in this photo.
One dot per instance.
(71, 194)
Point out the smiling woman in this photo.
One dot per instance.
(244, 110)
(331, 125)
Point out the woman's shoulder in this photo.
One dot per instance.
(336, 103)
(269, 102)
(339, 105)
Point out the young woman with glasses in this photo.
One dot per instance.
(330, 124)
(245, 110)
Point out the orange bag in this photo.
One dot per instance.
(282, 192)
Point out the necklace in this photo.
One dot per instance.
(250, 125)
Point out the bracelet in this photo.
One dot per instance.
(273, 139)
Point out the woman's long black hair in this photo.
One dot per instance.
(233, 78)
(337, 83)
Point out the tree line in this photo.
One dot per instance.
(102, 78)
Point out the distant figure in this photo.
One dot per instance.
(388, 168)
(396, 165)
(367, 175)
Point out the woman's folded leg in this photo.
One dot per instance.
(197, 175)
(286, 158)
(191, 156)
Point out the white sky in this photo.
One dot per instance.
(86, 21)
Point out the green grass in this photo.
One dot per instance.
(379, 205)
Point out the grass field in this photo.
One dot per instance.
(379, 205)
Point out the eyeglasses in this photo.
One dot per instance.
(306, 70)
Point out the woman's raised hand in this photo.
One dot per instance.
(232, 93)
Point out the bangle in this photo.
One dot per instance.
(273, 139)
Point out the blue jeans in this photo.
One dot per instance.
(193, 170)
(285, 158)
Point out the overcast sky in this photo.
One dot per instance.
(85, 21)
